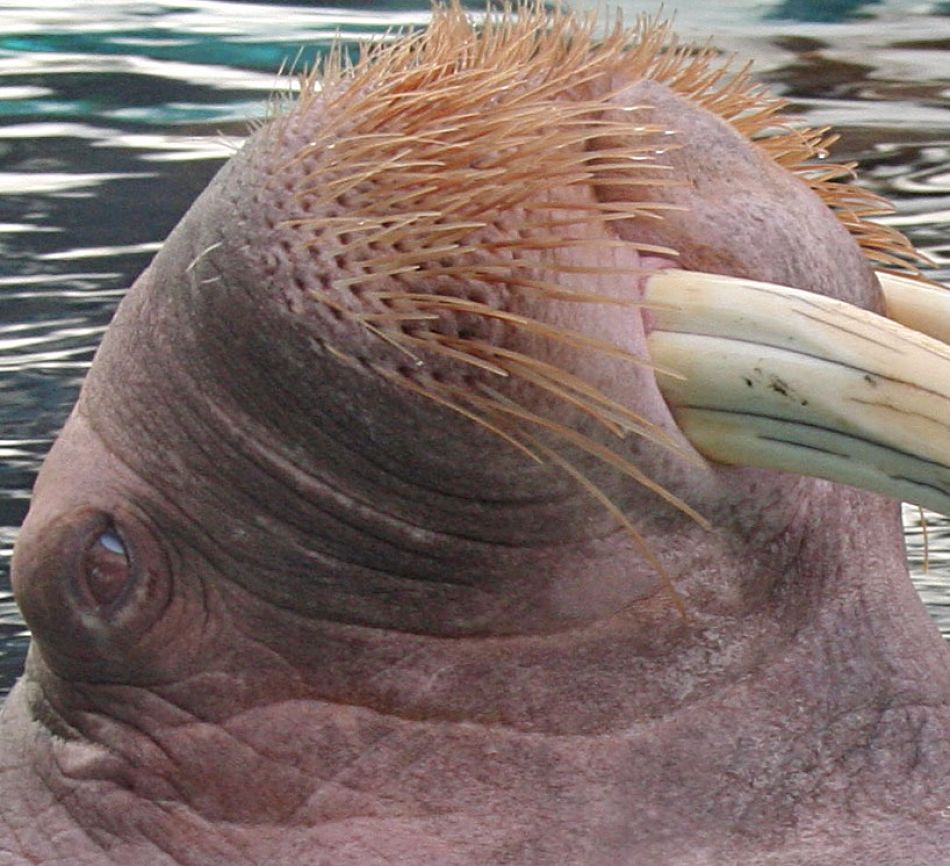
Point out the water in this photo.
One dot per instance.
(114, 115)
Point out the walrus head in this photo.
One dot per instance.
(393, 439)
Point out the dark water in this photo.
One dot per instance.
(114, 115)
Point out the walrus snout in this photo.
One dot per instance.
(416, 295)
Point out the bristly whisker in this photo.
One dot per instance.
(467, 164)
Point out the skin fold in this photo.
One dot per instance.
(290, 605)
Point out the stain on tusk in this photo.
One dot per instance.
(785, 379)
(922, 306)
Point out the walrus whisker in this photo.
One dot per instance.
(591, 409)
(498, 403)
(431, 143)
(507, 276)
(437, 343)
(591, 446)
(439, 394)
(621, 419)
(564, 335)
(197, 259)
(607, 410)
(646, 551)
(925, 538)
(383, 318)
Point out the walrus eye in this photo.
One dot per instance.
(111, 541)
(106, 566)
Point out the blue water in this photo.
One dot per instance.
(114, 115)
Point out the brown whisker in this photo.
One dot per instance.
(430, 173)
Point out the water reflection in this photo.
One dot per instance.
(114, 115)
(823, 10)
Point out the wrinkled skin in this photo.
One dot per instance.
(357, 629)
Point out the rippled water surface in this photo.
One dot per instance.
(114, 115)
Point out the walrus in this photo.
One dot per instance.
(425, 503)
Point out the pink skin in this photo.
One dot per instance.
(356, 629)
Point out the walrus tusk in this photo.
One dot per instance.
(920, 306)
(785, 379)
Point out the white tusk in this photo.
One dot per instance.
(920, 306)
(785, 379)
